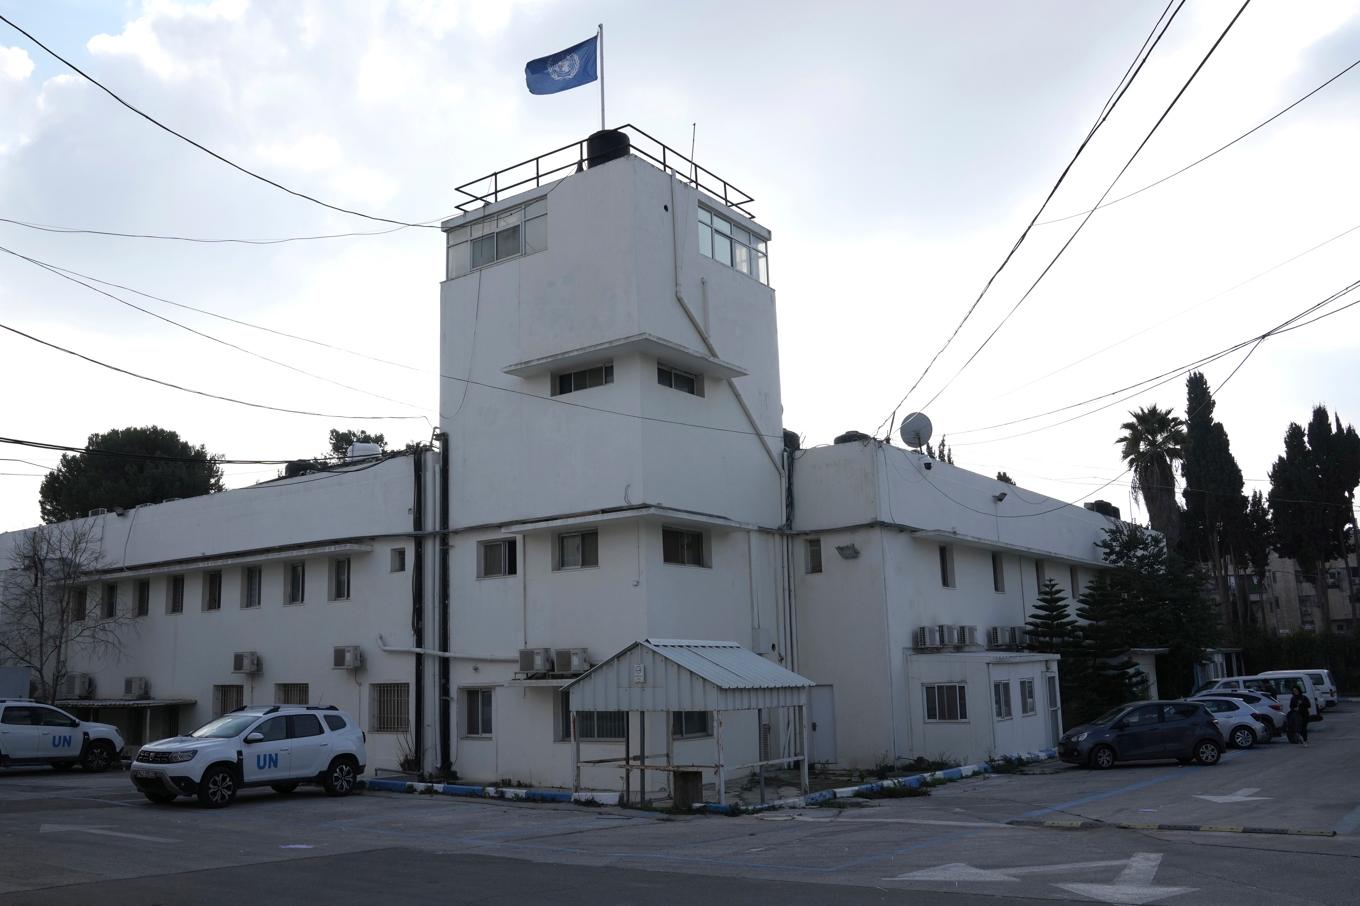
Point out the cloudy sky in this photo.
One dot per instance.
(895, 149)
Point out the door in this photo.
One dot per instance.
(1137, 733)
(311, 750)
(1182, 723)
(18, 733)
(59, 736)
(1054, 708)
(822, 708)
(268, 760)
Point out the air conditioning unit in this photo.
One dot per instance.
(998, 636)
(347, 657)
(949, 635)
(571, 660)
(926, 637)
(245, 662)
(967, 635)
(136, 687)
(75, 685)
(535, 660)
(1017, 636)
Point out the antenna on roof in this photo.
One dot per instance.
(916, 430)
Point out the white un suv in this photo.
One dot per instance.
(34, 733)
(279, 746)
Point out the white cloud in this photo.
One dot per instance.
(15, 63)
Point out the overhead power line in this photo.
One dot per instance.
(49, 228)
(1149, 44)
(204, 393)
(69, 448)
(1258, 126)
(184, 138)
(1089, 214)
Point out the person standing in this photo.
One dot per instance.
(1298, 712)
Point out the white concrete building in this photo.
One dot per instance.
(612, 468)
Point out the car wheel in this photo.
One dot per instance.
(1102, 757)
(341, 777)
(217, 788)
(98, 756)
(283, 788)
(160, 798)
(1243, 737)
(1208, 752)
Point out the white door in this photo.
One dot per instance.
(1054, 707)
(310, 745)
(18, 731)
(59, 736)
(822, 705)
(268, 760)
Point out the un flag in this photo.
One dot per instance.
(565, 69)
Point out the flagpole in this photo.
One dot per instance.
(600, 33)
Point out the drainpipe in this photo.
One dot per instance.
(418, 600)
(445, 690)
(447, 655)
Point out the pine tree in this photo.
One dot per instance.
(1050, 626)
(1005, 477)
(1112, 676)
(1215, 507)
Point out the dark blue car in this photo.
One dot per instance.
(1144, 731)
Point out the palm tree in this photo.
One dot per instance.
(1152, 445)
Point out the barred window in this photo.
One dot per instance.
(291, 694)
(946, 701)
(390, 708)
(143, 597)
(108, 605)
(227, 698)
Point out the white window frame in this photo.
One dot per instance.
(486, 702)
(1029, 705)
(509, 558)
(1002, 706)
(212, 591)
(946, 695)
(814, 556)
(559, 538)
(746, 252)
(295, 568)
(666, 376)
(389, 708)
(252, 587)
(581, 377)
(142, 603)
(341, 574)
(396, 560)
(531, 220)
(685, 547)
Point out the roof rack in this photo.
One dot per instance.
(572, 158)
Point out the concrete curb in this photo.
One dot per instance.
(847, 792)
(520, 794)
(1194, 828)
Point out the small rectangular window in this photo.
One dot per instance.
(477, 712)
(507, 243)
(496, 558)
(79, 603)
(212, 590)
(684, 381)
(691, 724)
(577, 550)
(397, 560)
(297, 582)
(459, 262)
(585, 379)
(601, 726)
(998, 572)
(682, 547)
(814, 555)
(705, 240)
(340, 579)
(1001, 700)
(947, 566)
(535, 235)
(483, 251)
(946, 701)
(251, 579)
(108, 604)
(1040, 574)
(227, 699)
(390, 708)
(1027, 704)
(291, 694)
(722, 249)
(174, 595)
(1074, 577)
(143, 597)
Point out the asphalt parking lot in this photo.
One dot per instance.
(74, 838)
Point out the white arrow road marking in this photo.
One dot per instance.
(99, 831)
(1134, 885)
(1246, 794)
(959, 871)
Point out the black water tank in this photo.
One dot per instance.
(792, 440)
(606, 145)
(850, 437)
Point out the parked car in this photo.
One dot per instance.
(1238, 684)
(1241, 724)
(1321, 680)
(1263, 702)
(1141, 731)
(280, 746)
(34, 733)
(1283, 683)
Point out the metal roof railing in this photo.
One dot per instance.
(573, 158)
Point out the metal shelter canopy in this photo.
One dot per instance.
(672, 675)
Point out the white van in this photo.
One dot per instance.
(1284, 682)
(1321, 679)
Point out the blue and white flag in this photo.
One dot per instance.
(565, 69)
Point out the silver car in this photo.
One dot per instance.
(1240, 723)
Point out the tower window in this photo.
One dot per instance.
(732, 245)
(519, 231)
(572, 381)
(684, 381)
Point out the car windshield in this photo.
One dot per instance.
(1108, 717)
(225, 727)
(1205, 688)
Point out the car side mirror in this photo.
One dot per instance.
(255, 737)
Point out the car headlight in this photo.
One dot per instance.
(1080, 736)
(177, 757)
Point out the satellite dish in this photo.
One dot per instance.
(915, 430)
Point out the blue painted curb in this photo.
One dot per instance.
(489, 792)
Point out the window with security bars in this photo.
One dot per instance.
(946, 701)
(143, 597)
(227, 698)
(389, 708)
(291, 694)
(593, 726)
(691, 724)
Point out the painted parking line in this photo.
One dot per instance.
(1198, 828)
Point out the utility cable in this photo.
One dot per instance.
(1089, 214)
(1260, 125)
(204, 393)
(184, 138)
(67, 448)
(1144, 52)
(49, 228)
